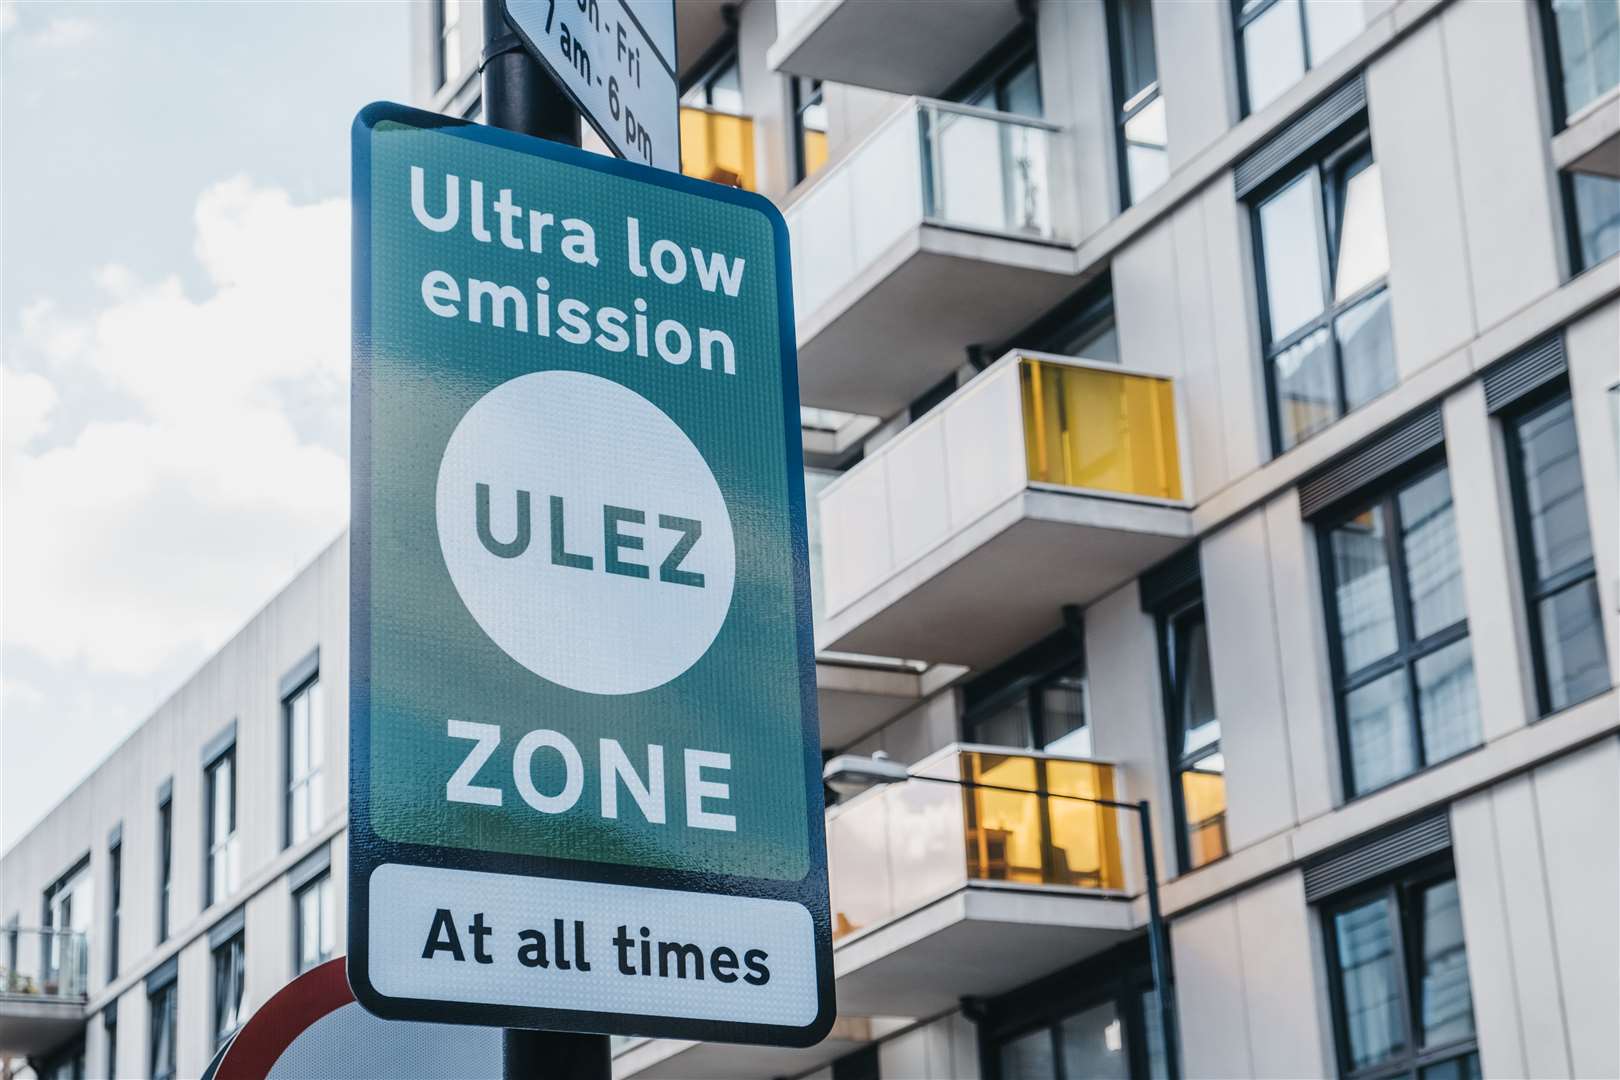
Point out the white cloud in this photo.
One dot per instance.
(153, 534)
(8, 14)
(64, 32)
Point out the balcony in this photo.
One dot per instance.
(941, 892)
(717, 146)
(901, 46)
(1045, 481)
(43, 987)
(940, 229)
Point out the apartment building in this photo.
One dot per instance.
(1209, 403)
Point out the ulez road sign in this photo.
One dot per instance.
(585, 779)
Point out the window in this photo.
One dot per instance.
(1399, 628)
(720, 87)
(1198, 768)
(1399, 980)
(1592, 205)
(165, 865)
(1143, 138)
(1585, 49)
(449, 41)
(109, 1033)
(69, 908)
(1045, 713)
(305, 749)
(1324, 257)
(1555, 546)
(1081, 326)
(1007, 79)
(229, 982)
(161, 1016)
(1279, 40)
(315, 922)
(115, 907)
(809, 127)
(219, 781)
(1097, 1021)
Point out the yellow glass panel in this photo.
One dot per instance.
(1004, 827)
(1203, 799)
(1085, 836)
(815, 150)
(1103, 430)
(718, 147)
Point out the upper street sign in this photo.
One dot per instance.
(616, 59)
(585, 780)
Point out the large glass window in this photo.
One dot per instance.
(115, 905)
(1324, 259)
(718, 88)
(69, 913)
(1046, 713)
(1593, 205)
(161, 1016)
(1555, 543)
(1586, 46)
(1143, 136)
(1198, 767)
(229, 984)
(1279, 40)
(165, 868)
(1399, 628)
(223, 874)
(1116, 1038)
(315, 924)
(449, 41)
(809, 127)
(305, 750)
(1401, 1001)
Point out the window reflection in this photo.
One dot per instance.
(1195, 737)
(1282, 39)
(1588, 49)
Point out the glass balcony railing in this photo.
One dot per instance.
(718, 146)
(892, 850)
(44, 963)
(1100, 429)
(934, 163)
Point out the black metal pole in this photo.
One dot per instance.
(520, 95)
(1157, 946)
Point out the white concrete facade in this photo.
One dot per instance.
(1460, 116)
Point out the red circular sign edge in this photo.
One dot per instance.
(289, 1013)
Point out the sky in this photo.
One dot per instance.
(174, 345)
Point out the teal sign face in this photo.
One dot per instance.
(585, 788)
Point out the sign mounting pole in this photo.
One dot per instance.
(519, 95)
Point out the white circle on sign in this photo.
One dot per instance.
(585, 533)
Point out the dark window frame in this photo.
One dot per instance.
(1121, 976)
(320, 880)
(1241, 21)
(109, 1037)
(1335, 162)
(165, 860)
(1385, 493)
(1553, 58)
(1397, 888)
(1184, 603)
(237, 944)
(991, 72)
(1127, 109)
(1032, 690)
(441, 69)
(802, 101)
(720, 58)
(115, 903)
(49, 966)
(289, 783)
(1537, 589)
(169, 994)
(215, 846)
